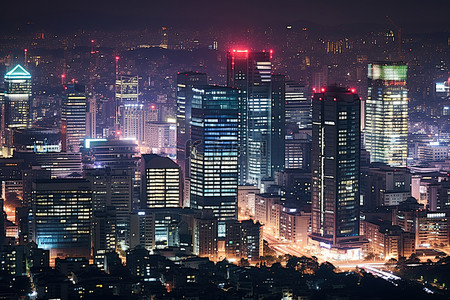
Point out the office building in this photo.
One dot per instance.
(244, 239)
(214, 156)
(382, 185)
(126, 92)
(73, 118)
(335, 168)
(185, 82)
(60, 164)
(298, 151)
(298, 107)
(160, 182)
(17, 98)
(278, 128)
(251, 72)
(112, 195)
(386, 113)
(132, 122)
(60, 219)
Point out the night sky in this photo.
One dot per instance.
(56, 14)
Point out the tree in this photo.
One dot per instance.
(369, 256)
(244, 262)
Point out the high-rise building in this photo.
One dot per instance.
(386, 118)
(73, 117)
(112, 195)
(132, 122)
(335, 167)
(214, 155)
(160, 182)
(185, 82)
(60, 218)
(127, 92)
(251, 72)
(17, 98)
(278, 128)
(298, 107)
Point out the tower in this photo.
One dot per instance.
(335, 167)
(132, 122)
(386, 113)
(185, 83)
(214, 155)
(73, 117)
(251, 72)
(17, 98)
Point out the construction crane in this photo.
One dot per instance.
(399, 30)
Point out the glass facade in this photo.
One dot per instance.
(73, 117)
(335, 165)
(386, 113)
(214, 155)
(61, 214)
(251, 72)
(17, 97)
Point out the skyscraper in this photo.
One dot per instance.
(298, 107)
(214, 156)
(335, 167)
(127, 92)
(251, 72)
(160, 182)
(386, 126)
(73, 118)
(278, 128)
(60, 218)
(185, 82)
(17, 98)
(132, 122)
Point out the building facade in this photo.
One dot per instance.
(386, 113)
(335, 167)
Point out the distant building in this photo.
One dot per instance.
(298, 151)
(60, 164)
(132, 122)
(386, 115)
(17, 98)
(278, 125)
(126, 92)
(73, 118)
(382, 185)
(298, 107)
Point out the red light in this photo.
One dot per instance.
(314, 89)
(117, 58)
(353, 90)
(118, 132)
(92, 41)
(63, 76)
(320, 99)
(322, 90)
(335, 99)
(153, 107)
(26, 50)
